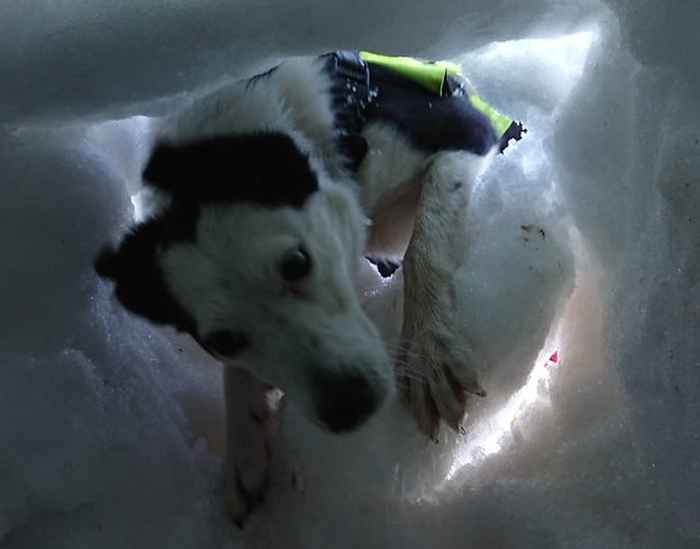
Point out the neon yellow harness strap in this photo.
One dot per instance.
(499, 122)
(432, 76)
(429, 75)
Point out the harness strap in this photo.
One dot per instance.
(352, 89)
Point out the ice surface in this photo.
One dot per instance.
(584, 238)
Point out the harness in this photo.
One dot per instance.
(431, 101)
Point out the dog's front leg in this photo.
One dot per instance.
(436, 367)
(250, 425)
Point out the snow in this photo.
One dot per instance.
(583, 240)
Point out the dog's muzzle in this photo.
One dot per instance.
(344, 401)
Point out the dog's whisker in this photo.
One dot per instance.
(409, 374)
(402, 375)
(408, 361)
(402, 353)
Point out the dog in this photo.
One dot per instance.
(271, 190)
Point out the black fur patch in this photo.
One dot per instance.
(138, 279)
(266, 169)
(430, 122)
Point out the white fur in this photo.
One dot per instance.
(227, 279)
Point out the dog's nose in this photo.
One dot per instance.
(346, 401)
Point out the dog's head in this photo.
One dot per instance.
(254, 255)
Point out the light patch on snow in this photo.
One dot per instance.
(137, 201)
(489, 436)
(565, 54)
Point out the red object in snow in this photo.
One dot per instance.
(553, 360)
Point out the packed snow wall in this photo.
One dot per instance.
(584, 241)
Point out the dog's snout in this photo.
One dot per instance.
(345, 401)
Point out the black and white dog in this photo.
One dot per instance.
(272, 191)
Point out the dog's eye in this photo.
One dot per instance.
(225, 343)
(295, 265)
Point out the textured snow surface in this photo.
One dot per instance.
(584, 239)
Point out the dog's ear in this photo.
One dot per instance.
(107, 263)
(139, 284)
(167, 166)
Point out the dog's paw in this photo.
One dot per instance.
(436, 372)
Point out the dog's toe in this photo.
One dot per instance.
(417, 396)
(439, 374)
(448, 394)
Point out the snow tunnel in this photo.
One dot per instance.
(581, 289)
